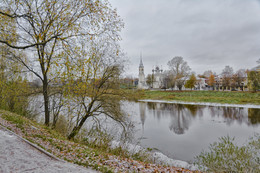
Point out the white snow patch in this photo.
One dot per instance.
(131, 148)
(159, 158)
(204, 103)
(163, 159)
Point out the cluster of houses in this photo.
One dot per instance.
(202, 82)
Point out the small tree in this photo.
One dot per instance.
(212, 81)
(150, 80)
(191, 82)
(127, 82)
(93, 82)
(254, 80)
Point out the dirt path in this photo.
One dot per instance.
(18, 156)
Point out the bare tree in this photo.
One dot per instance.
(179, 69)
(49, 28)
(166, 80)
(207, 73)
(239, 78)
(227, 74)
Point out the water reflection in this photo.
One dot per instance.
(254, 116)
(230, 114)
(182, 116)
(180, 120)
(142, 107)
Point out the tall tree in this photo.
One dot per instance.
(179, 69)
(49, 28)
(227, 74)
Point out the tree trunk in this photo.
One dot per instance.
(54, 121)
(46, 101)
(77, 128)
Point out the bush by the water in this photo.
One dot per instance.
(226, 156)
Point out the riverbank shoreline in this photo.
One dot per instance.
(236, 98)
(76, 152)
(202, 103)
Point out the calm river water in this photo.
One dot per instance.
(183, 131)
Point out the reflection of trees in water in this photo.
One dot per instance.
(230, 114)
(195, 110)
(254, 116)
(142, 107)
(156, 108)
(180, 119)
(240, 115)
(180, 114)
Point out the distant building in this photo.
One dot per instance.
(141, 82)
(157, 77)
(257, 68)
(201, 83)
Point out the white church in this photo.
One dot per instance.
(157, 77)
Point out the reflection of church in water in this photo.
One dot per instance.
(157, 77)
(181, 116)
(142, 107)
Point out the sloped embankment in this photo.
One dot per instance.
(74, 152)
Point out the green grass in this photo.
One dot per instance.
(204, 96)
(18, 120)
(72, 151)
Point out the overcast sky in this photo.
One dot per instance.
(208, 34)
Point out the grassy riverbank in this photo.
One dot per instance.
(98, 157)
(204, 96)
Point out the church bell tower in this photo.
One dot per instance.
(141, 83)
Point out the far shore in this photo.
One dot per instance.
(216, 98)
(203, 103)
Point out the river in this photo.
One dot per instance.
(183, 131)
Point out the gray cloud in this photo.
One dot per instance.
(209, 34)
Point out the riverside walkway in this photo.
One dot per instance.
(16, 155)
